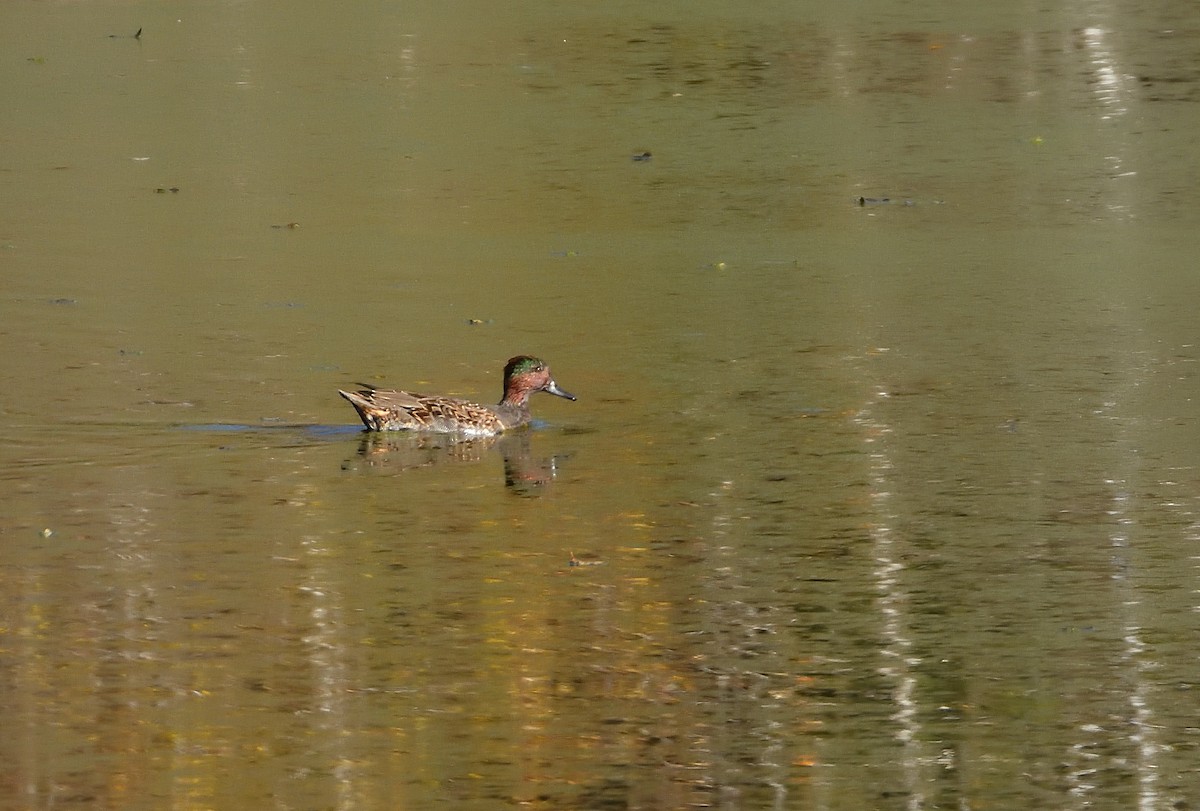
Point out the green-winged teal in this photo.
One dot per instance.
(382, 410)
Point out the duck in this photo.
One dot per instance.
(392, 410)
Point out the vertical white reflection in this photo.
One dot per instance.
(1109, 85)
(327, 658)
(1121, 537)
(893, 600)
(1141, 714)
(1111, 89)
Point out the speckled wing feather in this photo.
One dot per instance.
(401, 410)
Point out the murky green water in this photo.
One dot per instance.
(883, 505)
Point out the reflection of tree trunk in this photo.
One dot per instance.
(892, 604)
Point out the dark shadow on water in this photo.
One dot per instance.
(310, 431)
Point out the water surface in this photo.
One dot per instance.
(889, 504)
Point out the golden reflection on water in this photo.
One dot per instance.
(886, 505)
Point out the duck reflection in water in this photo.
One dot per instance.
(524, 473)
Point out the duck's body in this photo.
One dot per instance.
(383, 410)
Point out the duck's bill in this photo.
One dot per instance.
(557, 392)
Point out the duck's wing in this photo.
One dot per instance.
(382, 410)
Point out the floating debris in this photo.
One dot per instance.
(642, 157)
(136, 35)
(888, 201)
(883, 201)
(164, 190)
(291, 225)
